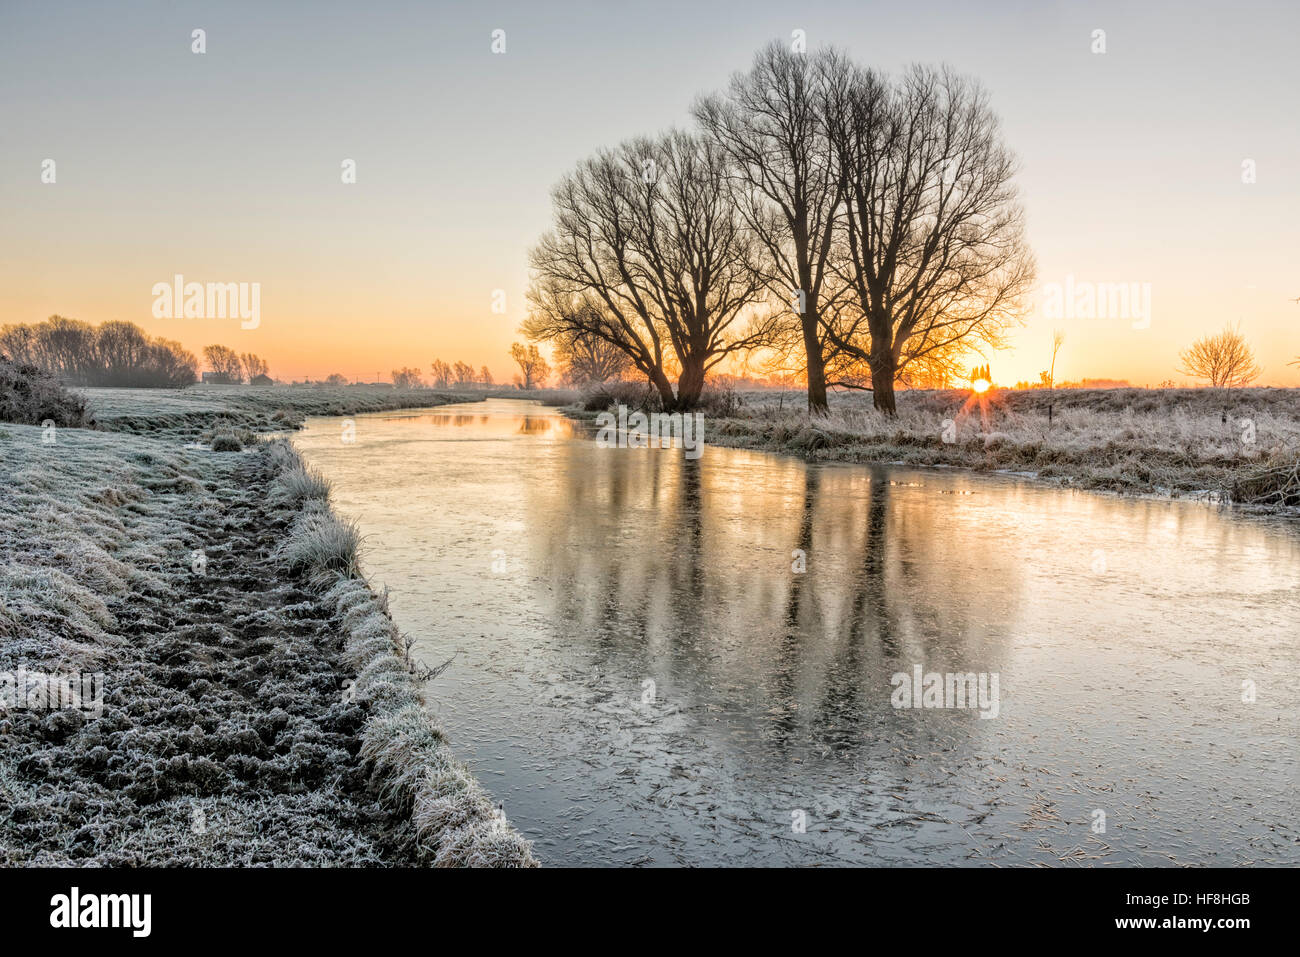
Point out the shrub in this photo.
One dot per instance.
(721, 401)
(226, 442)
(1273, 482)
(634, 395)
(31, 396)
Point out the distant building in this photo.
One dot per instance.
(261, 379)
(218, 378)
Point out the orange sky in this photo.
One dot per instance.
(225, 166)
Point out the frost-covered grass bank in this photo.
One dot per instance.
(1241, 444)
(203, 409)
(258, 705)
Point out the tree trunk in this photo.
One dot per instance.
(664, 388)
(883, 395)
(882, 377)
(812, 345)
(689, 386)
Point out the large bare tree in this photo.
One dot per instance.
(649, 253)
(772, 124)
(934, 250)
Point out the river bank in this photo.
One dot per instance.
(1242, 445)
(256, 705)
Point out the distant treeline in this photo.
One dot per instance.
(1085, 384)
(110, 354)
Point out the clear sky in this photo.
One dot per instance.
(226, 166)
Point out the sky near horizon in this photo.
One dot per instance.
(226, 166)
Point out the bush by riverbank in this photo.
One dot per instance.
(1235, 444)
(31, 396)
(258, 705)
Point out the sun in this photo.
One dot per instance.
(981, 385)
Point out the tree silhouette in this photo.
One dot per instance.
(224, 363)
(533, 367)
(407, 378)
(1225, 359)
(934, 234)
(772, 125)
(649, 252)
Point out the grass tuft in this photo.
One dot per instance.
(321, 542)
(298, 485)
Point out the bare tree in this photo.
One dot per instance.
(407, 377)
(581, 355)
(935, 250)
(649, 252)
(169, 365)
(121, 348)
(1058, 340)
(772, 125)
(462, 375)
(253, 366)
(587, 359)
(485, 376)
(441, 374)
(532, 366)
(66, 347)
(336, 378)
(1226, 360)
(18, 342)
(224, 363)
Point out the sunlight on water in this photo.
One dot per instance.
(667, 661)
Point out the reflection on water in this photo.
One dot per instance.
(643, 675)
